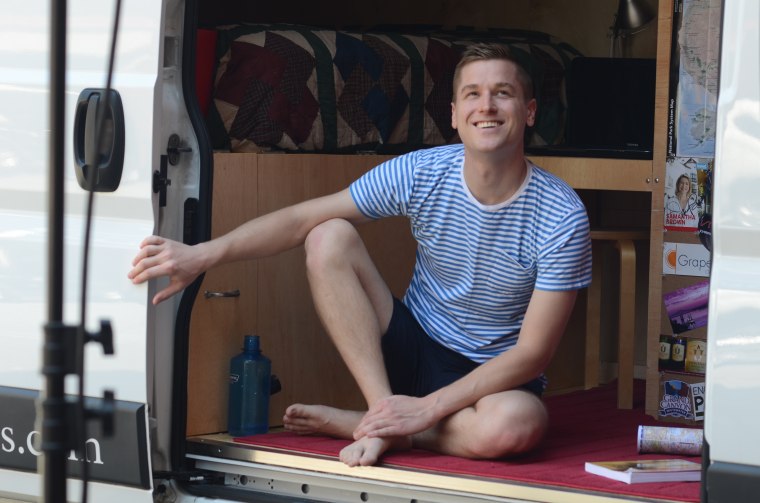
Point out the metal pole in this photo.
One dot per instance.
(54, 429)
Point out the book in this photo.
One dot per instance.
(651, 470)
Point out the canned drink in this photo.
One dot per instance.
(667, 440)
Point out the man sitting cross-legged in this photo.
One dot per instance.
(502, 248)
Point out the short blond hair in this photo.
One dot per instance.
(483, 51)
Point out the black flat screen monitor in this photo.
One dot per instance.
(611, 104)
(610, 109)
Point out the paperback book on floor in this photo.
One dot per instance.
(655, 470)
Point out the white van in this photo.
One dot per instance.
(165, 187)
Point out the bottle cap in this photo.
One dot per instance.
(251, 343)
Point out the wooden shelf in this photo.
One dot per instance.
(654, 310)
(600, 174)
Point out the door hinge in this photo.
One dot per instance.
(161, 181)
(175, 148)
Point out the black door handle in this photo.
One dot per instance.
(99, 151)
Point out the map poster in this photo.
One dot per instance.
(686, 192)
(692, 104)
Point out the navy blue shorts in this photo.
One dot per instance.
(417, 365)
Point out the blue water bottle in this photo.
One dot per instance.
(250, 386)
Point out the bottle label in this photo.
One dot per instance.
(664, 351)
(678, 352)
(695, 356)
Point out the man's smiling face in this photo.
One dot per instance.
(490, 110)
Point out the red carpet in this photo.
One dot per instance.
(585, 426)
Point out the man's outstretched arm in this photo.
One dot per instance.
(261, 237)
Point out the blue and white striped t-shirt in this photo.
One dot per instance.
(477, 265)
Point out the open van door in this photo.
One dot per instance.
(732, 459)
(125, 212)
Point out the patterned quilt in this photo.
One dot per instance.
(301, 89)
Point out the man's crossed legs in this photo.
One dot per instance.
(357, 309)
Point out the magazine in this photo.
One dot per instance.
(656, 470)
(688, 183)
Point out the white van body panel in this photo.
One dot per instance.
(20, 486)
(733, 352)
(150, 87)
(122, 218)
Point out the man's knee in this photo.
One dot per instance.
(510, 429)
(509, 440)
(328, 242)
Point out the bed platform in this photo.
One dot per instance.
(584, 426)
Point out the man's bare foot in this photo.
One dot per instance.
(308, 419)
(366, 451)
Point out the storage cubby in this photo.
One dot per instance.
(274, 300)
